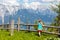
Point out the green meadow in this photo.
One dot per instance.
(24, 35)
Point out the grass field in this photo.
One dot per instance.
(23, 35)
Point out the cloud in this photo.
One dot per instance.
(1, 1)
(32, 5)
(51, 1)
(58, 0)
(2, 11)
(35, 5)
(25, 1)
(48, 0)
(8, 5)
(26, 5)
(10, 2)
(1, 14)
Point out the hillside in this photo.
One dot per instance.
(23, 35)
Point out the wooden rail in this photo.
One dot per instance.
(34, 25)
(11, 27)
(58, 27)
(33, 31)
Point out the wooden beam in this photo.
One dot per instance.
(52, 33)
(18, 23)
(12, 27)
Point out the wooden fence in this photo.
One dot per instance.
(11, 27)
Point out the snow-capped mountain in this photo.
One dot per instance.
(13, 12)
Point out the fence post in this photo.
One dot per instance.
(2, 26)
(12, 27)
(44, 28)
(18, 23)
(28, 27)
(8, 27)
(59, 32)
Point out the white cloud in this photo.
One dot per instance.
(10, 2)
(12, 9)
(51, 1)
(48, 0)
(1, 1)
(1, 14)
(35, 5)
(26, 5)
(25, 1)
(10, 5)
(2, 10)
(32, 5)
(58, 0)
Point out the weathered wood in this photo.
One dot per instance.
(18, 23)
(28, 29)
(35, 25)
(52, 33)
(2, 26)
(58, 32)
(12, 27)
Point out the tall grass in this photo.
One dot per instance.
(24, 35)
